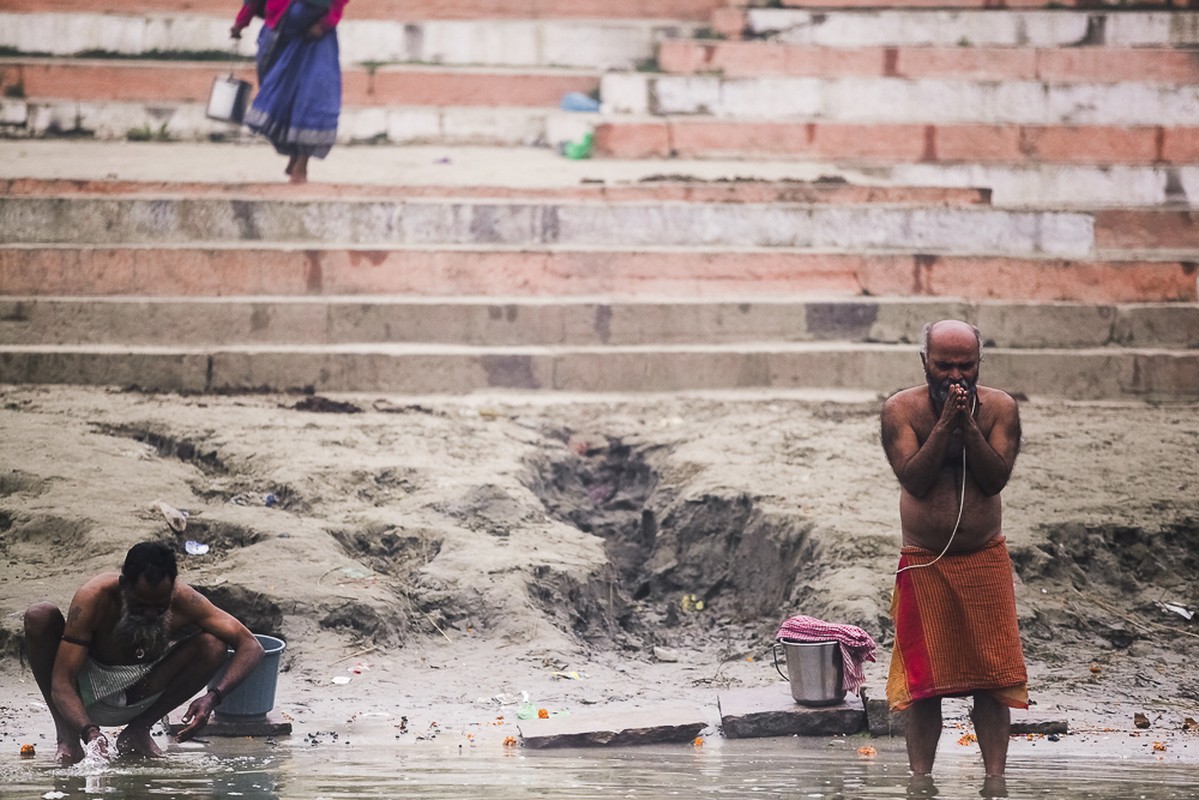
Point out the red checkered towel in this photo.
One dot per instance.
(856, 645)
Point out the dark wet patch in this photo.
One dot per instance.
(255, 610)
(168, 446)
(323, 405)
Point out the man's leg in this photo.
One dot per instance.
(178, 676)
(993, 724)
(44, 625)
(923, 729)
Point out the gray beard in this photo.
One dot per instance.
(938, 391)
(135, 634)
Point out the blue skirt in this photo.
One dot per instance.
(299, 85)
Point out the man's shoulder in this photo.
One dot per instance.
(1001, 399)
(905, 399)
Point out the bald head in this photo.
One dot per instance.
(952, 333)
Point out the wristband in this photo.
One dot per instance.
(220, 696)
(86, 730)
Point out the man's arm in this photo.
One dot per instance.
(247, 653)
(70, 661)
(916, 466)
(990, 459)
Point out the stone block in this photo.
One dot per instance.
(270, 724)
(771, 711)
(881, 720)
(1042, 727)
(640, 726)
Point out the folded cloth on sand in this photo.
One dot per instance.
(102, 688)
(856, 645)
(955, 628)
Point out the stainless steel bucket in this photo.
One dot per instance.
(228, 99)
(814, 670)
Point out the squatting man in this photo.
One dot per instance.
(115, 658)
(952, 444)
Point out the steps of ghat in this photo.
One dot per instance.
(416, 9)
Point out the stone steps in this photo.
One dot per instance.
(874, 227)
(1096, 64)
(899, 26)
(522, 322)
(1089, 374)
(493, 271)
(597, 44)
(408, 9)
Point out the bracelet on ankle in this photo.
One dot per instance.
(87, 729)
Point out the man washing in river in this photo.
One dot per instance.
(112, 662)
(952, 445)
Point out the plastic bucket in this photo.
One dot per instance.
(256, 694)
(814, 670)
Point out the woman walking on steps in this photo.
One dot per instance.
(299, 77)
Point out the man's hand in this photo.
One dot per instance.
(235, 31)
(196, 717)
(96, 743)
(316, 31)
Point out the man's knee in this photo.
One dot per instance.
(42, 620)
(209, 651)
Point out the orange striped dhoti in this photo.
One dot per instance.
(955, 628)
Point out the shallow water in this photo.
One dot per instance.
(791, 768)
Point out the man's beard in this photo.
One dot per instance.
(938, 391)
(146, 639)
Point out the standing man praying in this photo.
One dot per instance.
(952, 445)
(111, 661)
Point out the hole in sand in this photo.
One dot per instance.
(168, 446)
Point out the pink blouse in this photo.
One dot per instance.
(276, 8)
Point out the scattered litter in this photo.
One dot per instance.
(698, 741)
(270, 501)
(1181, 611)
(28, 751)
(666, 655)
(967, 739)
(176, 519)
(510, 741)
(527, 711)
(577, 101)
(54, 795)
(443, 160)
(543, 713)
(1140, 720)
(341, 680)
(568, 676)
(1190, 726)
(1096, 669)
(866, 751)
(194, 548)
(691, 602)
(360, 667)
(577, 151)
(1159, 747)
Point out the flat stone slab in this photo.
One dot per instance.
(268, 725)
(641, 726)
(771, 711)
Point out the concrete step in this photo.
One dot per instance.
(409, 9)
(590, 43)
(491, 271)
(394, 85)
(972, 27)
(900, 100)
(988, 5)
(449, 126)
(582, 322)
(757, 58)
(1090, 374)
(886, 144)
(969, 230)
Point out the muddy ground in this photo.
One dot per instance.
(449, 555)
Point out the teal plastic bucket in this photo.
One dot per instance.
(255, 697)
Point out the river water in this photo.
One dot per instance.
(334, 768)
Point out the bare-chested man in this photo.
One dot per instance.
(112, 662)
(952, 444)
